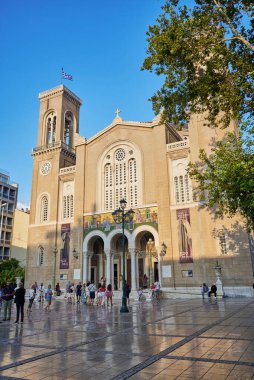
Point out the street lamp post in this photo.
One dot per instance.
(150, 245)
(123, 217)
(54, 274)
(2, 216)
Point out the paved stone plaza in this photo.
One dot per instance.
(175, 339)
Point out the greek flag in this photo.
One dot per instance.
(66, 76)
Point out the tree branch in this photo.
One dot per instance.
(231, 26)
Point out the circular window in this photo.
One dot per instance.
(120, 154)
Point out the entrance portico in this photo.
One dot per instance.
(102, 256)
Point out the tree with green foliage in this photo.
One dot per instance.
(9, 270)
(226, 179)
(206, 55)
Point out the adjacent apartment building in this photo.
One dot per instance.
(8, 202)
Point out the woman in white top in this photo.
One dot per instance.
(31, 295)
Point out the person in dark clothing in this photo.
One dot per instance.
(128, 290)
(58, 289)
(20, 300)
(78, 291)
(213, 291)
(7, 296)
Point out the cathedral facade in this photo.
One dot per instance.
(78, 183)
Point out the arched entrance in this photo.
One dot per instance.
(98, 267)
(117, 262)
(147, 261)
(94, 266)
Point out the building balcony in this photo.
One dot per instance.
(178, 145)
(67, 170)
(53, 146)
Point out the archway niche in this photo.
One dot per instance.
(98, 264)
(147, 259)
(117, 248)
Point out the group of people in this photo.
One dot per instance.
(155, 291)
(205, 290)
(89, 294)
(13, 293)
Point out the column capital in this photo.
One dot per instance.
(133, 251)
(109, 252)
(88, 253)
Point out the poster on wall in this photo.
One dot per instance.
(184, 235)
(65, 251)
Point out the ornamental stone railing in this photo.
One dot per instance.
(68, 170)
(178, 145)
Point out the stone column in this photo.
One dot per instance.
(137, 270)
(112, 270)
(89, 266)
(85, 267)
(133, 269)
(100, 271)
(108, 266)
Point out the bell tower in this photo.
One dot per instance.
(55, 151)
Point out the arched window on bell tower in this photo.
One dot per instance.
(51, 128)
(68, 128)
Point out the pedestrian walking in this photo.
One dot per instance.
(92, 289)
(41, 293)
(98, 298)
(31, 296)
(48, 298)
(102, 292)
(7, 297)
(67, 288)
(78, 291)
(109, 295)
(58, 289)
(83, 294)
(71, 297)
(20, 301)
(128, 291)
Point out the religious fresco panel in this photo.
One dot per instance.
(184, 236)
(105, 222)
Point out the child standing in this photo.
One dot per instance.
(109, 294)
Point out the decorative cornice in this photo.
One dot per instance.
(65, 149)
(137, 124)
(59, 90)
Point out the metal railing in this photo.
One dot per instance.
(58, 144)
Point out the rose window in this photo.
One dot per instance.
(120, 154)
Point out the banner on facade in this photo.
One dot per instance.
(184, 235)
(65, 251)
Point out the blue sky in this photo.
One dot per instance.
(101, 43)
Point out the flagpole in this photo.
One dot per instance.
(62, 76)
